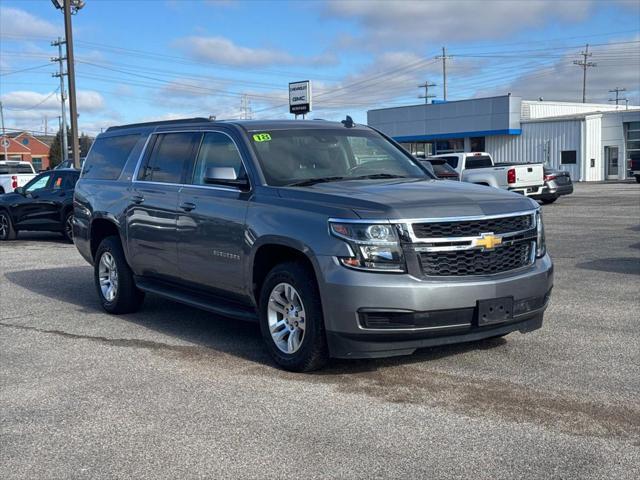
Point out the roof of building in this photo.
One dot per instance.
(580, 116)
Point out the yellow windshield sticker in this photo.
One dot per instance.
(261, 137)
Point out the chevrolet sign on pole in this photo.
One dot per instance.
(300, 97)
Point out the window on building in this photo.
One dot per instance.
(452, 145)
(633, 141)
(477, 144)
(37, 164)
(568, 157)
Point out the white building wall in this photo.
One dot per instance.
(592, 163)
(540, 142)
(531, 110)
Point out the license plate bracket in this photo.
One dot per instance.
(495, 310)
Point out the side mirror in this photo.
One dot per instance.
(225, 176)
(19, 190)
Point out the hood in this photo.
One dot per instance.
(397, 199)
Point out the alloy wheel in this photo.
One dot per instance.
(68, 227)
(4, 227)
(286, 317)
(108, 276)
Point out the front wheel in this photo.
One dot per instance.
(7, 230)
(291, 319)
(114, 279)
(67, 226)
(638, 178)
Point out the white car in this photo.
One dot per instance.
(14, 174)
(479, 168)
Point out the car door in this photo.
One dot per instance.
(152, 214)
(34, 212)
(211, 219)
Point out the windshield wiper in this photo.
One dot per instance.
(376, 175)
(313, 181)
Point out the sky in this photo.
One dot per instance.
(143, 60)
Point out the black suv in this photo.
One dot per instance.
(43, 204)
(329, 234)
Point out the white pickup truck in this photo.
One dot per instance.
(479, 168)
(14, 174)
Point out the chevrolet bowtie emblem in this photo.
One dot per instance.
(488, 241)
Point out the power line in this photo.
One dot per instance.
(36, 105)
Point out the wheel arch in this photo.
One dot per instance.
(271, 251)
(101, 228)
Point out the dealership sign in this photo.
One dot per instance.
(300, 97)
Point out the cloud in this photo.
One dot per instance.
(397, 22)
(17, 22)
(616, 66)
(224, 51)
(26, 104)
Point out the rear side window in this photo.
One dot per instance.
(108, 156)
(10, 169)
(478, 161)
(171, 153)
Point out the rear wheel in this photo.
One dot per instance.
(7, 230)
(547, 201)
(638, 178)
(68, 227)
(114, 279)
(291, 318)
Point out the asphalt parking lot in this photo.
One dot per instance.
(173, 392)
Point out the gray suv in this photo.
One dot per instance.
(330, 235)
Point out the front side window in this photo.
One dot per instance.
(37, 183)
(171, 153)
(217, 150)
(289, 157)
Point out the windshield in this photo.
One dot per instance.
(307, 156)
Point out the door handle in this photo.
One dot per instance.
(137, 199)
(187, 206)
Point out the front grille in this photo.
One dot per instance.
(471, 228)
(476, 261)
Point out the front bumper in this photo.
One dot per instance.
(447, 307)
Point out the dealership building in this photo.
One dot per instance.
(591, 141)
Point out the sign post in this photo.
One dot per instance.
(300, 98)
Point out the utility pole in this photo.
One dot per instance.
(584, 64)
(245, 107)
(426, 95)
(70, 7)
(46, 133)
(5, 141)
(617, 91)
(63, 130)
(444, 71)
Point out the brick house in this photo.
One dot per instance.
(26, 147)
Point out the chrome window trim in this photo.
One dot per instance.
(134, 178)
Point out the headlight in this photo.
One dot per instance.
(541, 247)
(375, 247)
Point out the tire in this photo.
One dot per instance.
(638, 178)
(125, 297)
(67, 226)
(7, 230)
(547, 201)
(311, 352)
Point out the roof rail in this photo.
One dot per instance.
(159, 123)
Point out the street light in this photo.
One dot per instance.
(71, 7)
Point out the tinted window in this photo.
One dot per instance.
(444, 169)
(108, 156)
(38, 183)
(9, 169)
(453, 161)
(217, 150)
(478, 161)
(58, 181)
(171, 152)
(568, 157)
